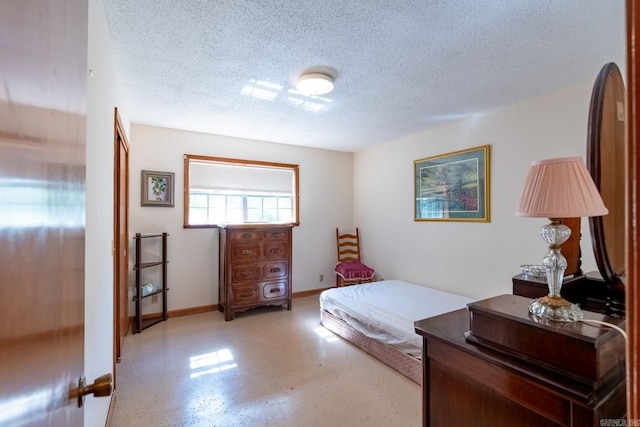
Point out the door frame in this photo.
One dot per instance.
(633, 195)
(120, 253)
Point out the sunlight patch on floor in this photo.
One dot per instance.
(326, 334)
(211, 363)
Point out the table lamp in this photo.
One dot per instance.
(555, 189)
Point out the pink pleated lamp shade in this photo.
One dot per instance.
(560, 188)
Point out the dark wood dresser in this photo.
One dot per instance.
(500, 375)
(255, 267)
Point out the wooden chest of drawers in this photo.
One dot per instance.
(255, 267)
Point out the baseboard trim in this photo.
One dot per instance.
(192, 310)
(308, 293)
(214, 307)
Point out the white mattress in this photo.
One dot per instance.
(386, 310)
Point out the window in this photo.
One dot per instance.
(232, 191)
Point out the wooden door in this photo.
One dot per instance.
(42, 210)
(121, 237)
(632, 243)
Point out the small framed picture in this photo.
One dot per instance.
(157, 189)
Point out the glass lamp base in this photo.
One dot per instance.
(555, 308)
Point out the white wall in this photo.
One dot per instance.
(104, 94)
(325, 203)
(472, 259)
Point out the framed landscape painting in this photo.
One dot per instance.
(453, 186)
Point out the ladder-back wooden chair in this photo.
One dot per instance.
(350, 269)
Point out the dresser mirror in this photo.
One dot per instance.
(606, 163)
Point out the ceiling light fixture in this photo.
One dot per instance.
(315, 84)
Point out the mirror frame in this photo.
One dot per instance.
(609, 82)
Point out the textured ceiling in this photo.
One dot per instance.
(229, 67)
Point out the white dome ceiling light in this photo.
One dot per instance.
(315, 84)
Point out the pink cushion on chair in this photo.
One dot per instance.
(354, 270)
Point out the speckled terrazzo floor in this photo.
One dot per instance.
(267, 367)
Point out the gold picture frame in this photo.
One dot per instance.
(453, 186)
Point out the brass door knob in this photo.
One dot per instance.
(101, 387)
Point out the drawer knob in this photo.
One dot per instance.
(275, 270)
(246, 235)
(275, 235)
(246, 294)
(247, 252)
(275, 250)
(246, 273)
(274, 290)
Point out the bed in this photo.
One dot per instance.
(379, 318)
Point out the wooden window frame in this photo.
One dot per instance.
(188, 158)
